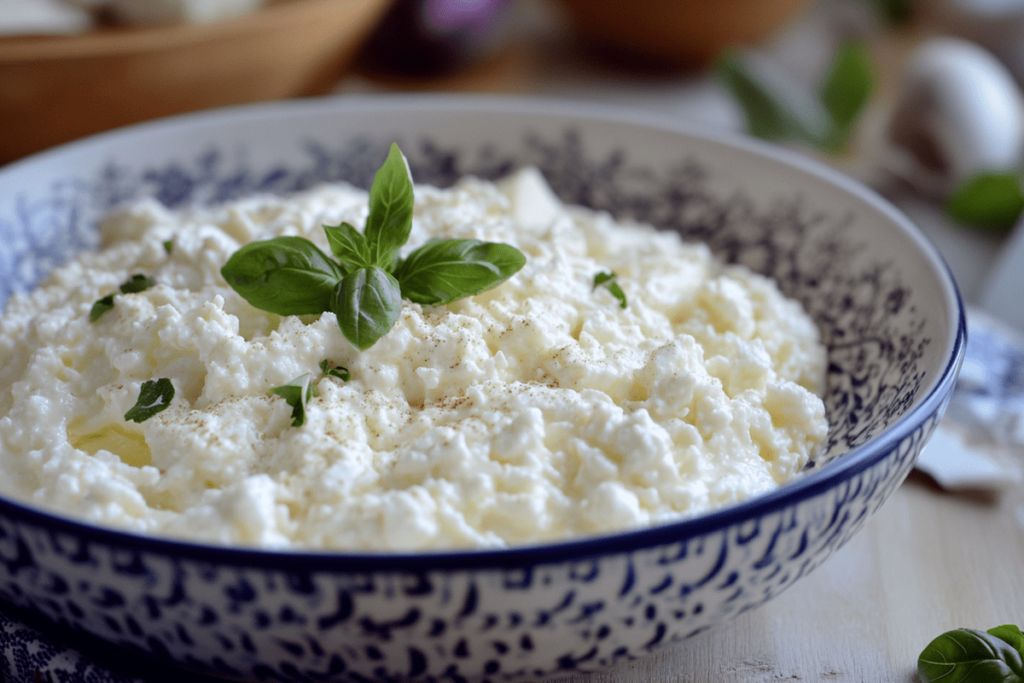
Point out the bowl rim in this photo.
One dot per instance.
(108, 42)
(813, 484)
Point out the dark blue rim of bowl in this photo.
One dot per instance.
(809, 486)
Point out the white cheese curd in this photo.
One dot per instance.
(535, 411)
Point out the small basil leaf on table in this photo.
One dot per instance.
(442, 271)
(296, 394)
(966, 655)
(993, 201)
(391, 206)
(154, 396)
(367, 303)
(775, 107)
(284, 275)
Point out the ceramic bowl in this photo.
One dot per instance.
(886, 305)
(58, 88)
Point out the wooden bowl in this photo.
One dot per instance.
(677, 33)
(57, 88)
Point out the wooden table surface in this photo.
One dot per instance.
(927, 562)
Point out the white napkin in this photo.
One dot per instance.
(980, 441)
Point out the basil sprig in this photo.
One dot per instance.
(779, 108)
(992, 201)
(155, 396)
(966, 655)
(364, 287)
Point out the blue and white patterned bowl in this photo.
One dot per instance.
(886, 305)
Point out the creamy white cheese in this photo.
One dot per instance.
(535, 411)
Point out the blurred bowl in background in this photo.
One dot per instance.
(680, 33)
(57, 88)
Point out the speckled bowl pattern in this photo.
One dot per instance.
(886, 305)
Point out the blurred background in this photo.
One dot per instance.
(920, 99)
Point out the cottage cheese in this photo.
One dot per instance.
(538, 410)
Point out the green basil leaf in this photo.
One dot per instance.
(284, 275)
(442, 271)
(331, 370)
(100, 307)
(775, 106)
(993, 201)
(349, 245)
(154, 396)
(970, 656)
(297, 394)
(608, 281)
(846, 89)
(391, 206)
(1011, 634)
(367, 302)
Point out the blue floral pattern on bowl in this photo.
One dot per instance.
(528, 612)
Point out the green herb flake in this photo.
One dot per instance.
(135, 284)
(990, 201)
(100, 307)
(329, 369)
(297, 394)
(169, 247)
(607, 280)
(966, 655)
(155, 396)
(365, 286)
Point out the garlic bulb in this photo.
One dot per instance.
(959, 112)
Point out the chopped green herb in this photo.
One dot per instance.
(966, 655)
(169, 246)
(297, 394)
(154, 396)
(607, 280)
(364, 287)
(135, 284)
(100, 307)
(331, 370)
